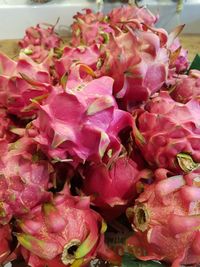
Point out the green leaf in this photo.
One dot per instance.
(195, 65)
(130, 261)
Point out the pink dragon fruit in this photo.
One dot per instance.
(131, 16)
(136, 56)
(73, 55)
(111, 188)
(187, 87)
(24, 179)
(168, 134)
(20, 82)
(138, 63)
(82, 123)
(180, 62)
(166, 222)
(90, 28)
(38, 42)
(65, 232)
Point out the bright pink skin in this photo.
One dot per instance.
(169, 230)
(181, 63)
(89, 28)
(138, 64)
(24, 180)
(20, 82)
(50, 228)
(73, 55)
(38, 42)
(131, 16)
(187, 87)
(136, 58)
(167, 128)
(111, 188)
(82, 123)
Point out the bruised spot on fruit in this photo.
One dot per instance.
(141, 217)
(68, 255)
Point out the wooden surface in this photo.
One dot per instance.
(9, 47)
(190, 42)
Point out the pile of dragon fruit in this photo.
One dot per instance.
(103, 126)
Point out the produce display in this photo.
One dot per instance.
(100, 132)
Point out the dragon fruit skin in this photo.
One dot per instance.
(24, 65)
(167, 133)
(82, 54)
(81, 124)
(166, 222)
(138, 64)
(131, 16)
(90, 28)
(66, 232)
(38, 42)
(111, 188)
(24, 180)
(136, 56)
(187, 87)
(20, 82)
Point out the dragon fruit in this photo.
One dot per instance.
(90, 28)
(39, 41)
(111, 188)
(166, 221)
(20, 82)
(130, 54)
(65, 232)
(87, 55)
(131, 16)
(167, 133)
(187, 87)
(82, 123)
(138, 63)
(24, 180)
